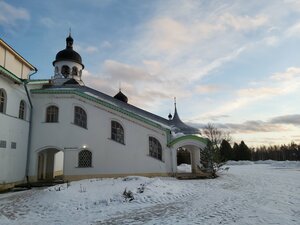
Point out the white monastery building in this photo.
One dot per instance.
(60, 128)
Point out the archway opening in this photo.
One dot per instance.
(50, 165)
(183, 160)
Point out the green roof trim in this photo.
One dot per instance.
(101, 102)
(188, 137)
(38, 81)
(10, 75)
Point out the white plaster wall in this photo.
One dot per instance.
(108, 156)
(13, 129)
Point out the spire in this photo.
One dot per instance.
(69, 40)
(175, 111)
(181, 126)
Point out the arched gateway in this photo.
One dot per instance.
(193, 145)
(50, 164)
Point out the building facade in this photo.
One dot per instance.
(60, 128)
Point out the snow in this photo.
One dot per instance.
(248, 193)
(184, 168)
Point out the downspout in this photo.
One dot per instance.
(25, 82)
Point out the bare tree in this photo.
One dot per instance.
(210, 156)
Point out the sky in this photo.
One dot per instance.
(235, 64)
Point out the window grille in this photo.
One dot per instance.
(2, 144)
(117, 132)
(13, 145)
(80, 117)
(85, 158)
(155, 149)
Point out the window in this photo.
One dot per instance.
(13, 145)
(56, 70)
(2, 144)
(155, 149)
(80, 117)
(52, 114)
(22, 110)
(117, 132)
(74, 70)
(2, 101)
(65, 70)
(85, 158)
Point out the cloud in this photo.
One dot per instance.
(276, 85)
(287, 119)
(243, 23)
(48, 22)
(89, 49)
(289, 74)
(255, 126)
(9, 15)
(141, 87)
(206, 89)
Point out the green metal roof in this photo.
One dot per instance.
(101, 102)
(10, 75)
(188, 137)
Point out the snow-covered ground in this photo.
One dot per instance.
(248, 193)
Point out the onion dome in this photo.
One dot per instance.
(120, 96)
(68, 54)
(170, 116)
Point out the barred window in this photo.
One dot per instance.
(22, 110)
(2, 101)
(80, 117)
(13, 145)
(2, 144)
(117, 132)
(155, 149)
(52, 114)
(85, 158)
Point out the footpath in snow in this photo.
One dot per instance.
(248, 193)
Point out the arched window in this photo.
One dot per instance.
(52, 114)
(117, 132)
(56, 70)
(22, 110)
(74, 71)
(2, 101)
(65, 70)
(80, 117)
(85, 158)
(155, 149)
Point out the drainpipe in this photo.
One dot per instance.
(25, 82)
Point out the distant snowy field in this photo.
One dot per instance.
(248, 193)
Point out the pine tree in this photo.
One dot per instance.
(236, 152)
(245, 152)
(226, 151)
